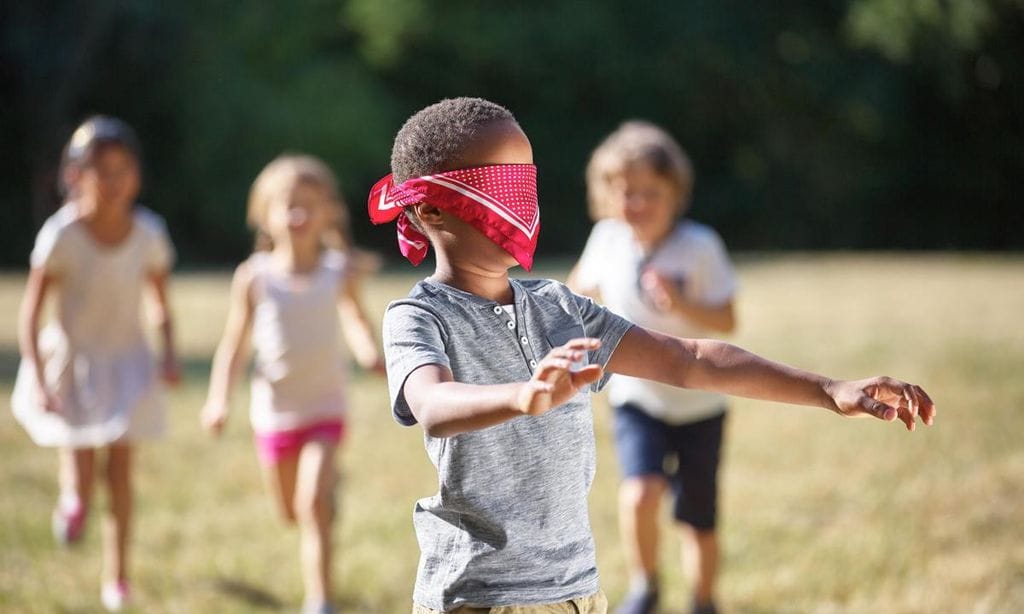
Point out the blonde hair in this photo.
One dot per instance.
(280, 175)
(631, 143)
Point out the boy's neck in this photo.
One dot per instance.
(486, 283)
(651, 244)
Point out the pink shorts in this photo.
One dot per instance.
(275, 445)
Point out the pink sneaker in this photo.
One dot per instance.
(115, 595)
(68, 521)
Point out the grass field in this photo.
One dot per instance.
(820, 514)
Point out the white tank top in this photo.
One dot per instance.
(300, 366)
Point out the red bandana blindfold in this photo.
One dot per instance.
(499, 200)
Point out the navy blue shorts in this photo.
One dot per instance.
(686, 455)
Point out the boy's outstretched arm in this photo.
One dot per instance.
(445, 407)
(721, 367)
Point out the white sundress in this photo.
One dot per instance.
(95, 355)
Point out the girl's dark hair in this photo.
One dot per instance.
(92, 135)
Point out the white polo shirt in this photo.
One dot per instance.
(694, 256)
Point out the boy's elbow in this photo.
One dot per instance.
(437, 429)
(428, 420)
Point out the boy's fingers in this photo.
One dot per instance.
(562, 352)
(582, 343)
(909, 401)
(550, 365)
(877, 408)
(926, 408)
(587, 375)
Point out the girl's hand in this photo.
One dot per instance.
(213, 417)
(884, 398)
(49, 401)
(170, 370)
(556, 379)
(379, 368)
(663, 293)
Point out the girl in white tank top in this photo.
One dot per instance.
(287, 297)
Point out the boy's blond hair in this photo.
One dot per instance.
(277, 177)
(634, 142)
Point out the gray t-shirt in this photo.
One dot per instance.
(509, 524)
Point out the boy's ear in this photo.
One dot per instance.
(428, 214)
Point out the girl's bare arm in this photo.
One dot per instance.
(36, 289)
(356, 327)
(231, 351)
(165, 322)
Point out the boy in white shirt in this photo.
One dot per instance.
(664, 272)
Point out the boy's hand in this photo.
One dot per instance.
(663, 292)
(884, 398)
(555, 380)
(213, 417)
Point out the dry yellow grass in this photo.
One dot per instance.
(820, 514)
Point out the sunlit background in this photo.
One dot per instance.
(862, 159)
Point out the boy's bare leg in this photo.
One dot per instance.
(639, 501)
(314, 509)
(117, 523)
(700, 560)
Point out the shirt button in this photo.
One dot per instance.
(524, 340)
(511, 325)
(497, 310)
(533, 364)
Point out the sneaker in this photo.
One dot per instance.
(639, 602)
(68, 521)
(115, 595)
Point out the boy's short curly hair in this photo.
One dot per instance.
(435, 137)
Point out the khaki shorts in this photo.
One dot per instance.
(592, 604)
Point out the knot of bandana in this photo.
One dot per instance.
(499, 200)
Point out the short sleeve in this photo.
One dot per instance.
(159, 249)
(718, 280)
(50, 252)
(602, 323)
(591, 264)
(413, 337)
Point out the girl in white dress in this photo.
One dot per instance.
(290, 294)
(88, 380)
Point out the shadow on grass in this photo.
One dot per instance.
(253, 596)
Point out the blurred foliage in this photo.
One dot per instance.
(836, 124)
